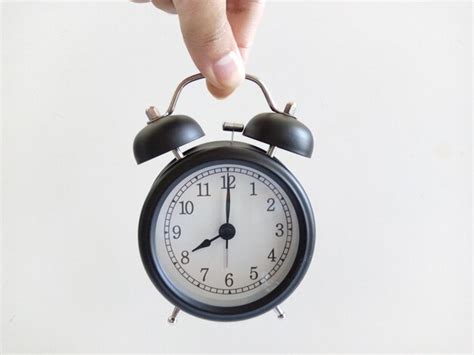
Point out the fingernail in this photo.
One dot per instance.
(229, 70)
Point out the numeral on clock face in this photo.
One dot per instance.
(185, 257)
(186, 207)
(228, 279)
(252, 184)
(203, 189)
(176, 232)
(231, 179)
(204, 270)
(279, 232)
(271, 256)
(271, 204)
(253, 273)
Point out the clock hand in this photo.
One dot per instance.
(227, 201)
(226, 255)
(227, 214)
(205, 243)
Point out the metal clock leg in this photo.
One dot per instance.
(279, 312)
(174, 314)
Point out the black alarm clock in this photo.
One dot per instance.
(226, 232)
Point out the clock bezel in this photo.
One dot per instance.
(226, 152)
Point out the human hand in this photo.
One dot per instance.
(218, 35)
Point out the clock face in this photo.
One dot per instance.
(225, 235)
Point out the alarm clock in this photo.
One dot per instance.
(226, 232)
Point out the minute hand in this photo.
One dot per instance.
(227, 201)
(227, 213)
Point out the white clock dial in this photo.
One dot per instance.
(191, 235)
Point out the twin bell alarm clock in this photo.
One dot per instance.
(226, 232)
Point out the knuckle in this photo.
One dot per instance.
(241, 6)
(200, 36)
(165, 5)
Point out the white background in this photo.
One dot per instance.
(386, 89)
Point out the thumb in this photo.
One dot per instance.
(211, 44)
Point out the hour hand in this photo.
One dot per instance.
(205, 243)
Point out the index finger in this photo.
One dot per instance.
(244, 17)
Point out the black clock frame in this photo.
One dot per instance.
(226, 152)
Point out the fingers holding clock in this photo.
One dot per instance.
(244, 17)
(218, 35)
(208, 36)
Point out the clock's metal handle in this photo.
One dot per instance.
(199, 76)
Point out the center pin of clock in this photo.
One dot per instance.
(227, 231)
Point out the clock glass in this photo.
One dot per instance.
(225, 234)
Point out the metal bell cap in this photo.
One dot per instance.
(163, 135)
(281, 130)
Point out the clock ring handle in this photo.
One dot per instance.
(199, 76)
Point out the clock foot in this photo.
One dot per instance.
(279, 312)
(174, 314)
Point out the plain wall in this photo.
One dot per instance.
(386, 90)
